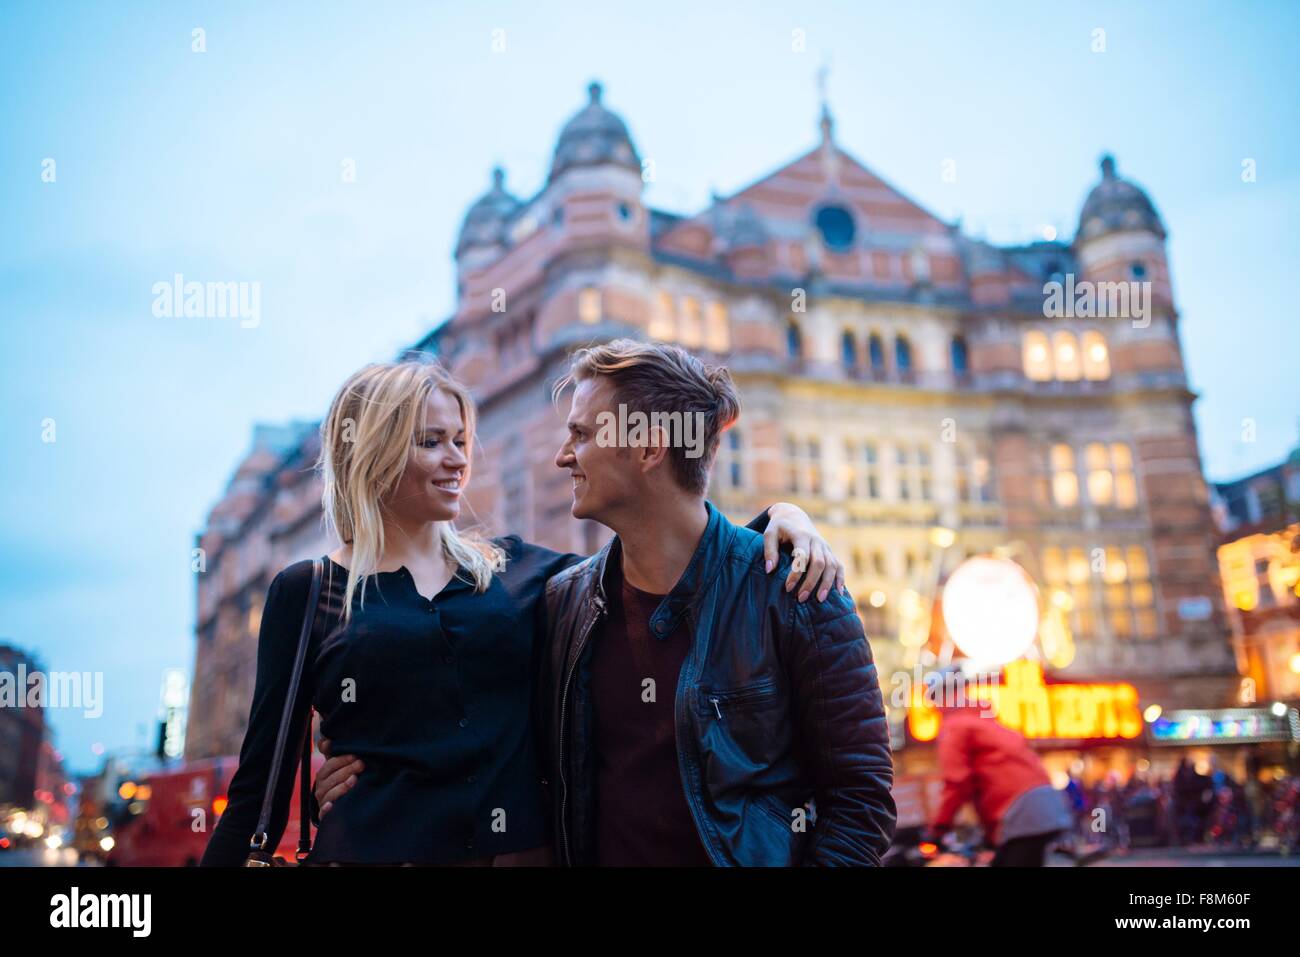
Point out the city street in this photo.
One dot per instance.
(1144, 857)
(40, 857)
(1179, 857)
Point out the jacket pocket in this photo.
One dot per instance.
(718, 702)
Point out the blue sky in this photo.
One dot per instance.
(225, 165)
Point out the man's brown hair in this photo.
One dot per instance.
(651, 378)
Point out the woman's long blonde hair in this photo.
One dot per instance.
(366, 441)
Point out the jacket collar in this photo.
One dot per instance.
(700, 572)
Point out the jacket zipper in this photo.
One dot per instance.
(696, 655)
(598, 604)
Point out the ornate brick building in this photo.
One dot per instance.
(896, 376)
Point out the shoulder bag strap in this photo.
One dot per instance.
(260, 836)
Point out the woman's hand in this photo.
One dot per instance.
(789, 523)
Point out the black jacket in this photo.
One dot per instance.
(778, 708)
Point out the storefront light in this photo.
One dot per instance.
(1152, 713)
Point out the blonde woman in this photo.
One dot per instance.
(422, 658)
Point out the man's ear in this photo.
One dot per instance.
(655, 450)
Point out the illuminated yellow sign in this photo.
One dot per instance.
(1024, 702)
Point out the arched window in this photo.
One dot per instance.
(793, 340)
(1065, 350)
(691, 327)
(902, 355)
(1065, 482)
(960, 358)
(589, 304)
(849, 351)
(1096, 357)
(662, 325)
(717, 331)
(1037, 356)
(876, 350)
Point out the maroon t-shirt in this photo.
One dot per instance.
(642, 819)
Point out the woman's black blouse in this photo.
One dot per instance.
(435, 696)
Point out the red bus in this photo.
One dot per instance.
(181, 806)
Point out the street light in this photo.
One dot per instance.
(990, 607)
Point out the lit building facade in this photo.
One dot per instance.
(896, 376)
(1259, 562)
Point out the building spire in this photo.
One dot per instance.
(827, 124)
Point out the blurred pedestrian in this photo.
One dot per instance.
(993, 767)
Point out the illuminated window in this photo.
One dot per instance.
(1116, 598)
(1110, 474)
(1053, 566)
(1141, 593)
(691, 330)
(1096, 357)
(661, 318)
(1065, 483)
(1121, 463)
(1101, 481)
(923, 476)
(1038, 362)
(1076, 567)
(1065, 349)
(717, 331)
(589, 305)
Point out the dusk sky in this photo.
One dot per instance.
(225, 166)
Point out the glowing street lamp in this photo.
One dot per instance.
(990, 606)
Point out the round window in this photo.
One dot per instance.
(835, 223)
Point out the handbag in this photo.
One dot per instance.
(259, 855)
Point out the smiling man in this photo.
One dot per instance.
(699, 713)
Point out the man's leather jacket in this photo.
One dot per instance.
(782, 741)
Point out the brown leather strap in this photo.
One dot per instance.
(260, 835)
